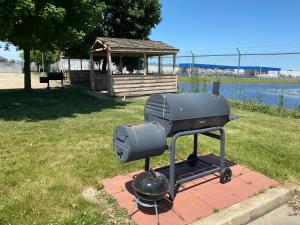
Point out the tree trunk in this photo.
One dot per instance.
(27, 74)
(104, 65)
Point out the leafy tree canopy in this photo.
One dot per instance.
(123, 19)
(50, 24)
(47, 25)
(131, 19)
(46, 57)
(72, 25)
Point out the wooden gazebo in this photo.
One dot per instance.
(120, 84)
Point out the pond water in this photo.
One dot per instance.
(259, 92)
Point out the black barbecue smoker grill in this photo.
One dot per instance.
(172, 116)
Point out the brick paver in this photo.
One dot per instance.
(195, 199)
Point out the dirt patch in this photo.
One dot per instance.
(16, 81)
(114, 214)
(91, 195)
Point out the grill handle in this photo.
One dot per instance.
(234, 117)
(121, 137)
(153, 173)
(216, 88)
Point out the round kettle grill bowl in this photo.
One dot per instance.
(150, 186)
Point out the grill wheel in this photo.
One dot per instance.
(225, 175)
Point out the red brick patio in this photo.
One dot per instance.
(195, 199)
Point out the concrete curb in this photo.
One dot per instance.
(250, 209)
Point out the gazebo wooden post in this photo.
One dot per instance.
(159, 64)
(174, 63)
(92, 76)
(69, 64)
(121, 65)
(173, 72)
(60, 63)
(109, 72)
(145, 64)
(109, 63)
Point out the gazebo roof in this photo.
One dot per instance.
(131, 46)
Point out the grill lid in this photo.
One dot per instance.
(187, 111)
(187, 105)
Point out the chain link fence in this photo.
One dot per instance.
(11, 67)
(227, 62)
(270, 64)
(194, 67)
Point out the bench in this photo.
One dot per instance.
(52, 76)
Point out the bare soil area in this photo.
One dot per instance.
(16, 81)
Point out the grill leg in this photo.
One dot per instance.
(147, 164)
(222, 150)
(132, 210)
(156, 212)
(172, 169)
(195, 152)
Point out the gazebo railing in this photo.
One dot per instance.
(135, 85)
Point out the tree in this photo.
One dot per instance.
(47, 57)
(73, 25)
(47, 25)
(126, 19)
(131, 19)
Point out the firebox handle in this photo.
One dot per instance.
(234, 117)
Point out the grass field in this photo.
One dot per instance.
(241, 80)
(56, 143)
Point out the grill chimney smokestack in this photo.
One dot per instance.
(216, 87)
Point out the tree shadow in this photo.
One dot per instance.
(45, 104)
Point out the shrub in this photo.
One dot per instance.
(252, 106)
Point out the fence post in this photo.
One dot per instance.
(239, 61)
(192, 64)
(159, 66)
(43, 64)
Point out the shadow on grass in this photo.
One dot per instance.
(55, 103)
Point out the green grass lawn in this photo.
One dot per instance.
(241, 80)
(38, 74)
(55, 143)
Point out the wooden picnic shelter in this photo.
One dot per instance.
(118, 82)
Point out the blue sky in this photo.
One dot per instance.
(219, 25)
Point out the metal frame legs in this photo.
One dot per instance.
(147, 164)
(207, 131)
(154, 205)
(195, 152)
